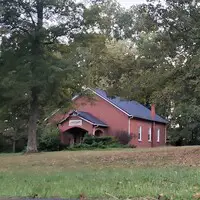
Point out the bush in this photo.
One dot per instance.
(84, 146)
(123, 137)
(104, 140)
(91, 142)
(117, 145)
(49, 139)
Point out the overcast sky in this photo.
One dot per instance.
(128, 3)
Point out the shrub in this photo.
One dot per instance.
(123, 137)
(117, 145)
(92, 142)
(104, 140)
(49, 139)
(82, 146)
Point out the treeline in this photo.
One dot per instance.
(51, 49)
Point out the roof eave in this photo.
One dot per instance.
(101, 125)
(151, 120)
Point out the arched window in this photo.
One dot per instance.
(98, 133)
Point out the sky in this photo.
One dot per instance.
(128, 3)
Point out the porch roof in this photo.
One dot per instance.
(87, 117)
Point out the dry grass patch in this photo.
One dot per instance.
(158, 157)
(128, 174)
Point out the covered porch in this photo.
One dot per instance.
(77, 124)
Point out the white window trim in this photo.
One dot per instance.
(140, 133)
(150, 134)
(158, 135)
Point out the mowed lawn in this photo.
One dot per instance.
(115, 174)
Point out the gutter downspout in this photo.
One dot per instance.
(153, 114)
(129, 125)
(153, 130)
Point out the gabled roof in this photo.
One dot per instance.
(130, 108)
(91, 118)
(87, 117)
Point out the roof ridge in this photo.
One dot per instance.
(144, 113)
(162, 120)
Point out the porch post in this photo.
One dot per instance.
(93, 130)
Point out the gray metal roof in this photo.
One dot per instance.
(87, 116)
(91, 118)
(132, 108)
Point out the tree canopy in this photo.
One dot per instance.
(38, 66)
(149, 53)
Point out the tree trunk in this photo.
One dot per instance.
(32, 125)
(37, 53)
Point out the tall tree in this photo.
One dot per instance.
(166, 36)
(34, 61)
(163, 66)
(178, 29)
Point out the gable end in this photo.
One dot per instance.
(74, 98)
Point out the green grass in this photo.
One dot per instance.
(101, 174)
(172, 182)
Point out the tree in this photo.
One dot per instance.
(34, 63)
(158, 63)
(177, 24)
(166, 37)
(14, 123)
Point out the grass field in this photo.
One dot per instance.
(117, 174)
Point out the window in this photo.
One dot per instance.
(140, 134)
(158, 135)
(149, 134)
(98, 133)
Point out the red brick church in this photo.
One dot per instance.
(99, 115)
